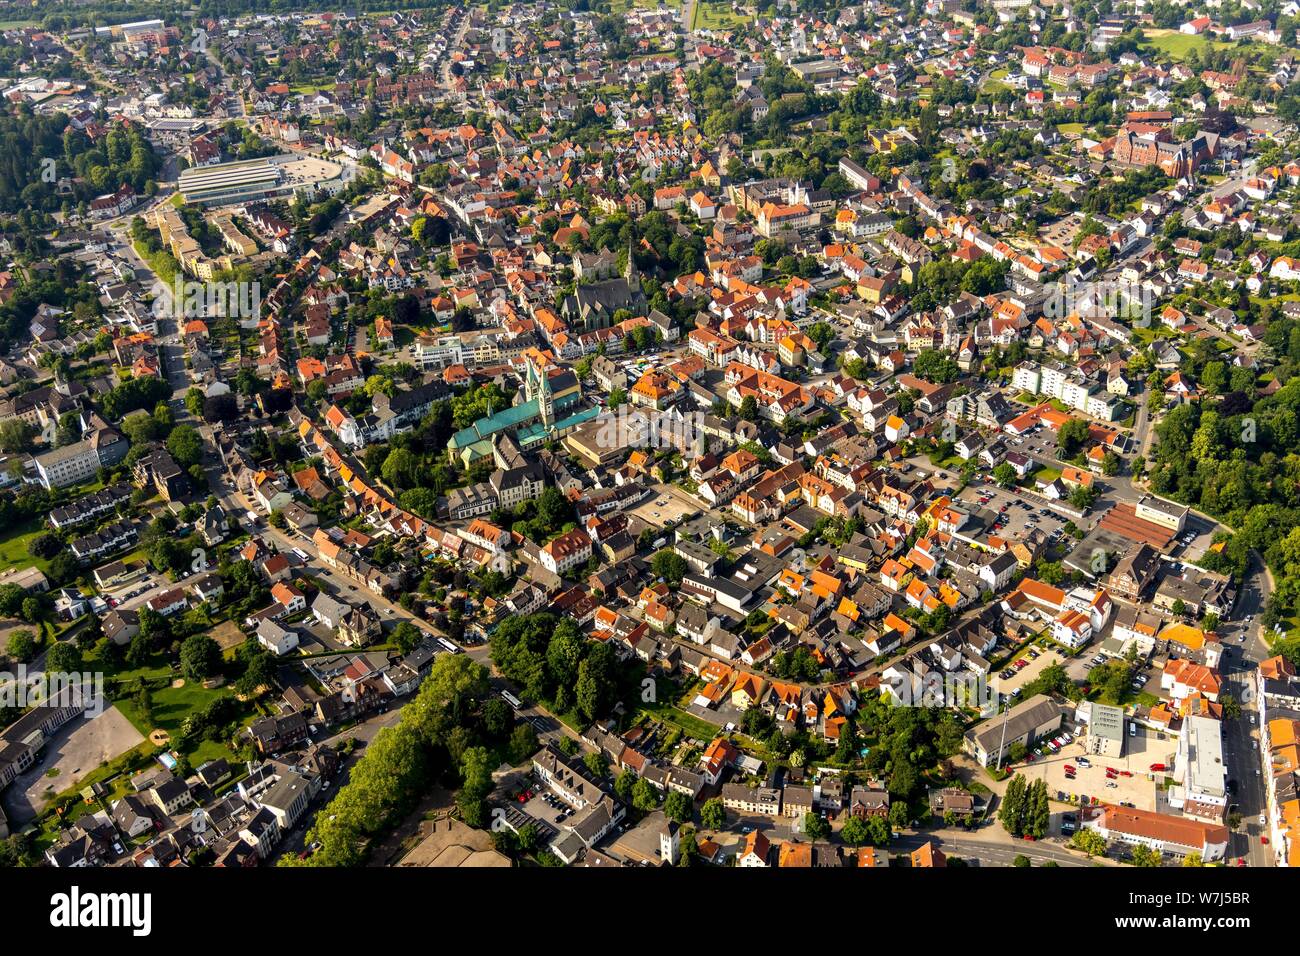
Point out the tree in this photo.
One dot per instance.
(200, 657)
(1021, 861)
(1005, 475)
(1090, 842)
(139, 649)
(854, 831)
(815, 826)
(624, 784)
(678, 806)
(1012, 811)
(523, 743)
(713, 815)
(935, 366)
(1193, 859)
(185, 445)
(1231, 706)
(476, 775)
(1145, 856)
(64, 657)
(400, 469)
(1071, 437)
(221, 408)
(16, 436)
(45, 546)
(21, 646)
(594, 691)
(406, 637)
(899, 816)
(597, 764)
(1082, 497)
(670, 566)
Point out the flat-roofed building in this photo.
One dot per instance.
(1106, 731)
(1024, 723)
(251, 180)
(1167, 514)
(1200, 778)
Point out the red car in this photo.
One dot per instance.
(1158, 767)
(1069, 769)
(1264, 840)
(1125, 773)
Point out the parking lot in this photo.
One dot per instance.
(548, 808)
(1012, 678)
(1018, 514)
(665, 507)
(1139, 789)
(1062, 232)
(1040, 441)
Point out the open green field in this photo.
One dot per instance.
(13, 549)
(170, 705)
(1177, 45)
(993, 82)
(716, 16)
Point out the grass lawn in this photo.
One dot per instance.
(170, 705)
(13, 550)
(1177, 45)
(1071, 129)
(993, 83)
(1046, 474)
(716, 16)
(690, 725)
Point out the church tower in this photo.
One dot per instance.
(538, 386)
(630, 272)
(670, 843)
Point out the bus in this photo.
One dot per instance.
(448, 646)
(511, 699)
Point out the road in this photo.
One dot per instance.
(1229, 185)
(993, 846)
(1242, 755)
(363, 733)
